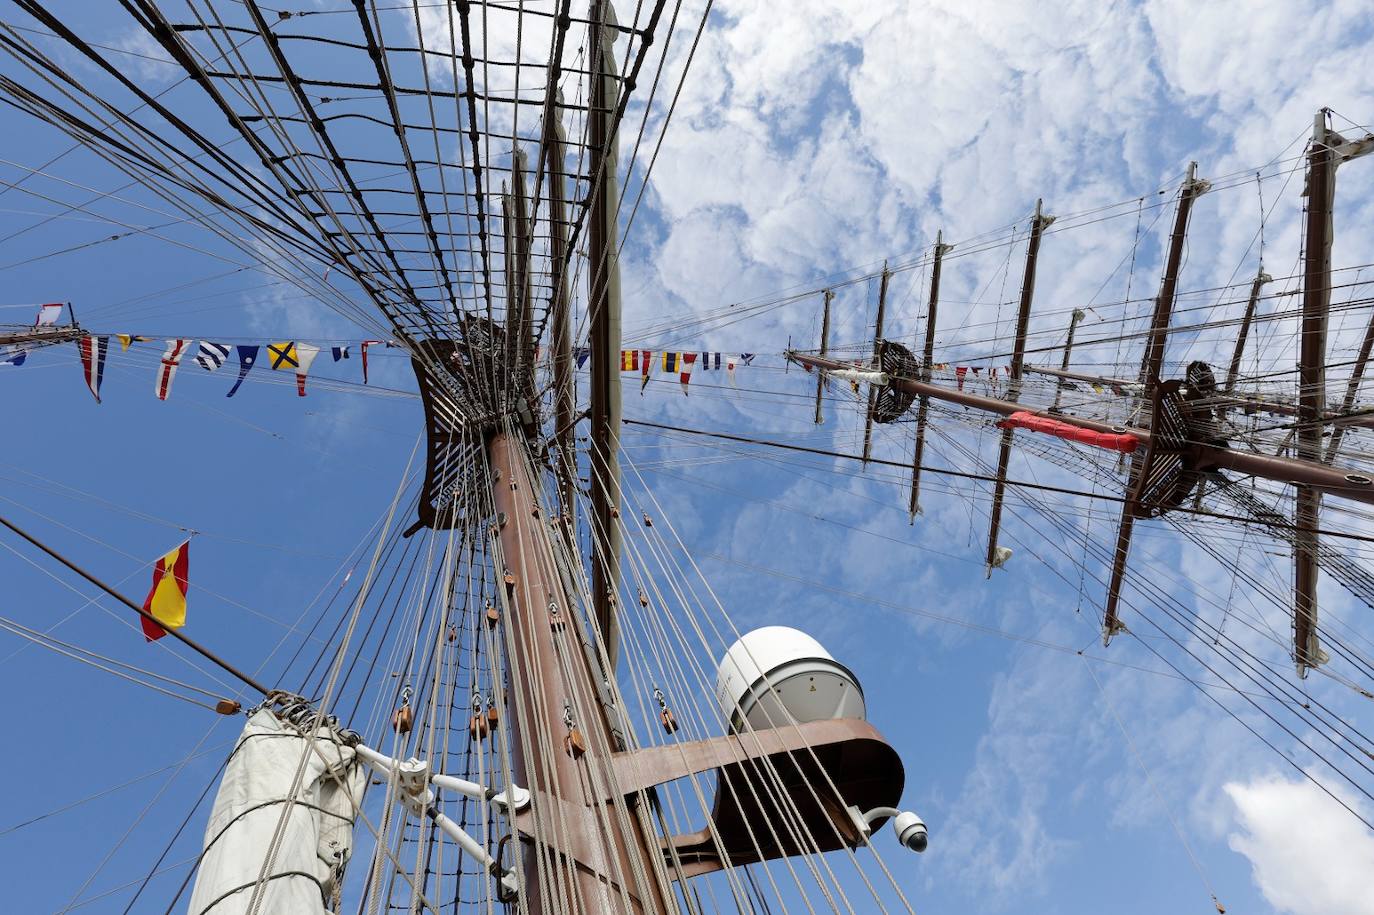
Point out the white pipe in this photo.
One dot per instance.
(374, 759)
(469, 844)
(456, 833)
(519, 798)
(880, 812)
(461, 785)
(514, 798)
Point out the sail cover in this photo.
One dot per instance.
(1122, 442)
(304, 874)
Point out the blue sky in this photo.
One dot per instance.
(810, 143)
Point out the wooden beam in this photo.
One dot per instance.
(41, 336)
(1260, 279)
(1150, 367)
(1360, 420)
(512, 346)
(1327, 150)
(603, 297)
(1341, 482)
(547, 667)
(877, 357)
(1018, 356)
(825, 347)
(1316, 301)
(1078, 315)
(564, 379)
(927, 360)
(524, 305)
(1352, 390)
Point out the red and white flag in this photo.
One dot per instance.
(305, 354)
(685, 375)
(167, 370)
(93, 350)
(48, 314)
(363, 348)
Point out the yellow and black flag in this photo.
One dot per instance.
(283, 355)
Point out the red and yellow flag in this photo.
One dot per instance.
(629, 360)
(167, 598)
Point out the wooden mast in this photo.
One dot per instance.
(1149, 371)
(1316, 300)
(1078, 315)
(548, 668)
(604, 308)
(1328, 149)
(825, 347)
(878, 357)
(565, 396)
(524, 305)
(1260, 279)
(1018, 355)
(927, 362)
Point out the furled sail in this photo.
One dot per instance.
(288, 794)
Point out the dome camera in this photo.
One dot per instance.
(911, 831)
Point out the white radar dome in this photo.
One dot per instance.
(774, 675)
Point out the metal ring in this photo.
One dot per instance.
(1119, 430)
(1358, 479)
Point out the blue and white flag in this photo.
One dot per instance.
(710, 361)
(13, 355)
(582, 354)
(340, 352)
(211, 355)
(746, 358)
(247, 356)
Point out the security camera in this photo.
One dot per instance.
(911, 831)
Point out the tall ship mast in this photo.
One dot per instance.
(532, 684)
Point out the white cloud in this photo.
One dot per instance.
(1308, 853)
(145, 57)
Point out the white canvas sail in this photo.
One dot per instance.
(303, 876)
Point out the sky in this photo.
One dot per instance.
(811, 142)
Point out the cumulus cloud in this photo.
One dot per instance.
(1309, 854)
(146, 57)
(809, 144)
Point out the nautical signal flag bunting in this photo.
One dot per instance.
(93, 351)
(166, 600)
(298, 357)
(305, 355)
(167, 369)
(282, 355)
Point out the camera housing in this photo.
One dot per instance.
(911, 831)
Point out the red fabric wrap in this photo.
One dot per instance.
(1112, 441)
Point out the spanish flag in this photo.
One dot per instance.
(167, 598)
